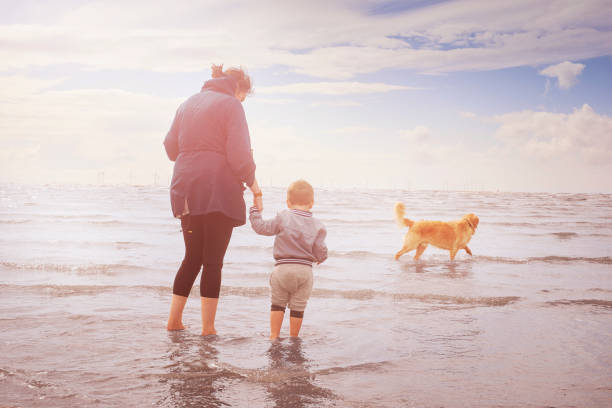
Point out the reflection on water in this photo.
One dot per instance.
(193, 377)
(293, 385)
(451, 269)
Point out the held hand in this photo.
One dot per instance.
(258, 203)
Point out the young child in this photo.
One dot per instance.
(299, 242)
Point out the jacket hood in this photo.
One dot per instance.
(226, 85)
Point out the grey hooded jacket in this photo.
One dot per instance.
(300, 238)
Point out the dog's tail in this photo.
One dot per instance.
(399, 216)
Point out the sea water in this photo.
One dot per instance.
(86, 278)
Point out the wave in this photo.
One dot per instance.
(245, 291)
(553, 259)
(260, 291)
(564, 235)
(547, 224)
(83, 244)
(80, 290)
(443, 259)
(108, 222)
(30, 378)
(113, 269)
(331, 253)
(600, 290)
(439, 259)
(567, 235)
(25, 382)
(14, 221)
(55, 215)
(279, 375)
(98, 220)
(129, 244)
(605, 260)
(461, 300)
(344, 221)
(356, 254)
(87, 269)
(581, 302)
(372, 366)
(72, 216)
(267, 247)
(366, 294)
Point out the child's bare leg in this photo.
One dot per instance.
(295, 323)
(175, 320)
(277, 314)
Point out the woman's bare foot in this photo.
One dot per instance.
(209, 310)
(208, 332)
(175, 326)
(175, 320)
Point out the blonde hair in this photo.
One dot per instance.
(300, 192)
(240, 76)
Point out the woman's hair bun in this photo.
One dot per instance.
(243, 80)
(217, 71)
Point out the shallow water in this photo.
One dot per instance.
(85, 283)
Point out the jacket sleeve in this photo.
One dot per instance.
(238, 144)
(171, 140)
(319, 249)
(261, 226)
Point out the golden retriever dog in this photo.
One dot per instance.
(451, 235)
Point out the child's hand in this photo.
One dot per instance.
(258, 203)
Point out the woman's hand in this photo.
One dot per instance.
(258, 202)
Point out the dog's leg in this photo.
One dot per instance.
(453, 252)
(410, 243)
(420, 249)
(408, 246)
(468, 250)
(402, 252)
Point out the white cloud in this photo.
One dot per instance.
(272, 101)
(565, 72)
(71, 136)
(338, 43)
(582, 136)
(336, 104)
(333, 88)
(352, 130)
(417, 135)
(534, 151)
(48, 135)
(468, 115)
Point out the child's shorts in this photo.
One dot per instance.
(291, 284)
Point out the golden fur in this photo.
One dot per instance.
(451, 235)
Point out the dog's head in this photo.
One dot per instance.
(472, 220)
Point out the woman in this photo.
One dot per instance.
(209, 142)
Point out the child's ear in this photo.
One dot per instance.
(288, 203)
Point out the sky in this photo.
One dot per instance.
(434, 95)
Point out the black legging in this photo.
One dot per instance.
(206, 239)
